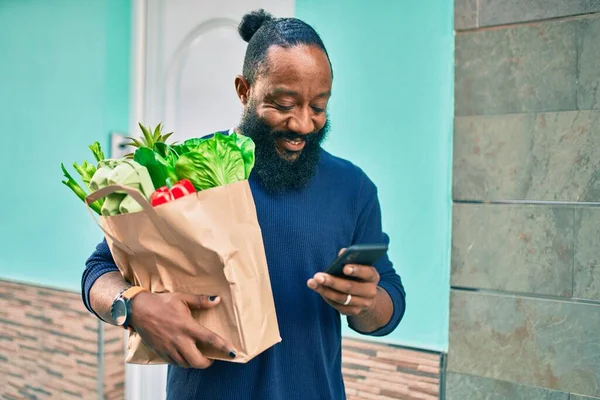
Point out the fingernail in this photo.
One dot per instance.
(232, 354)
(212, 298)
(320, 278)
(349, 270)
(312, 284)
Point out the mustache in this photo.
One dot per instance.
(293, 136)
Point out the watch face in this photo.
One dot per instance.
(119, 312)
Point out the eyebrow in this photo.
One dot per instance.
(279, 91)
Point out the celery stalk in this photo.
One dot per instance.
(74, 186)
(97, 151)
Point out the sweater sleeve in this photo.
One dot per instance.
(369, 230)
(98, 264)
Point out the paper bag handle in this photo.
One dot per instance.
(141, 200)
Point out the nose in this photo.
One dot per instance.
(301, 123)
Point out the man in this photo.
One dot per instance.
(310, 205)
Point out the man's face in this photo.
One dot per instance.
(285, 115)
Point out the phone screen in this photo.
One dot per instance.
(365, 254)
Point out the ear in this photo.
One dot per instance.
(242, 88)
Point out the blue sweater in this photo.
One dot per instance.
(303, 232)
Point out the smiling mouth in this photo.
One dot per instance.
(292, 145)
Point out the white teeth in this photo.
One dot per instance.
(296, 141)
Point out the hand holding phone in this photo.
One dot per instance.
(351, 294)
(360, 254)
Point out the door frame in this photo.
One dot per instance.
(135, 377)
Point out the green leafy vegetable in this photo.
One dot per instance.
(159, 167)
(87, 171)
(206, 163)
(165, 151)
(74, 186)
(214, 162)
(247, 147)
(97, 151)
(188, 145)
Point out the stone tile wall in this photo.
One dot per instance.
(525, 300)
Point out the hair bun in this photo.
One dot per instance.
(252, 22)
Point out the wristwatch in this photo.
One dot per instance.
(120, 309)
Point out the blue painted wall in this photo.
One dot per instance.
(64, 83)
(391, 114)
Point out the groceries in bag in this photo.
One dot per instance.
(181, 218)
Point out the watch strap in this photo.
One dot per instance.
(133, 291)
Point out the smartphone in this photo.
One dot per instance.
(362, 254)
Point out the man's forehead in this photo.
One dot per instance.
(294, 68)
(306, 55)
(297, 58)
(282, 90)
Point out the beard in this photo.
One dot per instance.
(279, 172)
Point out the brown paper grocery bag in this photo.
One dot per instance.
(206, 243)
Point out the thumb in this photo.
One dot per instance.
(199, 302)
